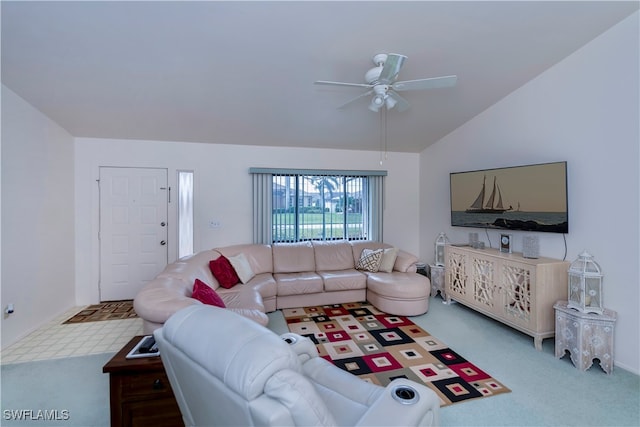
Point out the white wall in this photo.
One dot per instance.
(584, 110)
(38, 270)
(223, 190)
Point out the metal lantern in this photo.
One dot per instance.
(441, 242)
(585, 285)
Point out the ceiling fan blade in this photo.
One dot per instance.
(401, 103)
(367, 93)
(391, 68)
(420, 84)
(324, 82)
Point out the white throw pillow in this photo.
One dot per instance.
(242, 267)
(388, 260)
(369, 260)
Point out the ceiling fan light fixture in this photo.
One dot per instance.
(390, 102)
(376, 103)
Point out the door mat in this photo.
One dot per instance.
(114, 310)
(380, 347)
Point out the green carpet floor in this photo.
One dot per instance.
(73, 390)
(545, 391)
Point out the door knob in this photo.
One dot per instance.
(162, 242)
(162, 224)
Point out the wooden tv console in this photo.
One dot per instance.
(519, 292)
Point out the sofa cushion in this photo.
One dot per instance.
(224, 272)
(259, 256)
(298, 283)
(203, 293)
(342, 280)
(333, 255)
(264, 283)
(245, 301)
(405, 262)
(400, 286)
(242, 267)
(293, 257)
(369, 260)
(358, 246)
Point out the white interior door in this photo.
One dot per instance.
(133, 229)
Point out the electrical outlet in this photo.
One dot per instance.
(214, 223)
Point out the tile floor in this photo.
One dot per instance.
(55, 340)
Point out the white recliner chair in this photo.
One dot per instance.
(226, 370)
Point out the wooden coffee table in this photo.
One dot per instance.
(140, 393)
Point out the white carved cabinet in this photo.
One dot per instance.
(519, 292)
(587, 336)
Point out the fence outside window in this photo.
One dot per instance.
(295, 205)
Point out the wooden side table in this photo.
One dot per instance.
(586, 336)
(437, 280)
(140, 393)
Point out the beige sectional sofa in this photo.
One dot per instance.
(290, 275)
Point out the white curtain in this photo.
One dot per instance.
(262, 207)
(376, 207)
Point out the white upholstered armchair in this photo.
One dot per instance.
(228, 370)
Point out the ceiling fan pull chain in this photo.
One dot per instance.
(381, 112)
(383, 135)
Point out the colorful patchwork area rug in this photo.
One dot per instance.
(115, 310)
(380, 347)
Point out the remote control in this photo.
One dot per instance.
(147, 345)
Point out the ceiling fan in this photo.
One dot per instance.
(382, 84)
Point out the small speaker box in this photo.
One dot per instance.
(530, 247)
(473, 239)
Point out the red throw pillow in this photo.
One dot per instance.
(224, 272)
(203, 293)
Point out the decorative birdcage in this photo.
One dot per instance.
(585, 285)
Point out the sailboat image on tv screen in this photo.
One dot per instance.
(493, 204)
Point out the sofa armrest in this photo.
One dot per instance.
(403, 403)
(302, 346)
(406, 262)
(162, 297)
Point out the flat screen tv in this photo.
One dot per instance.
(528, 198)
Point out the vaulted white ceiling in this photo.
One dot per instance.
(238, 72)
